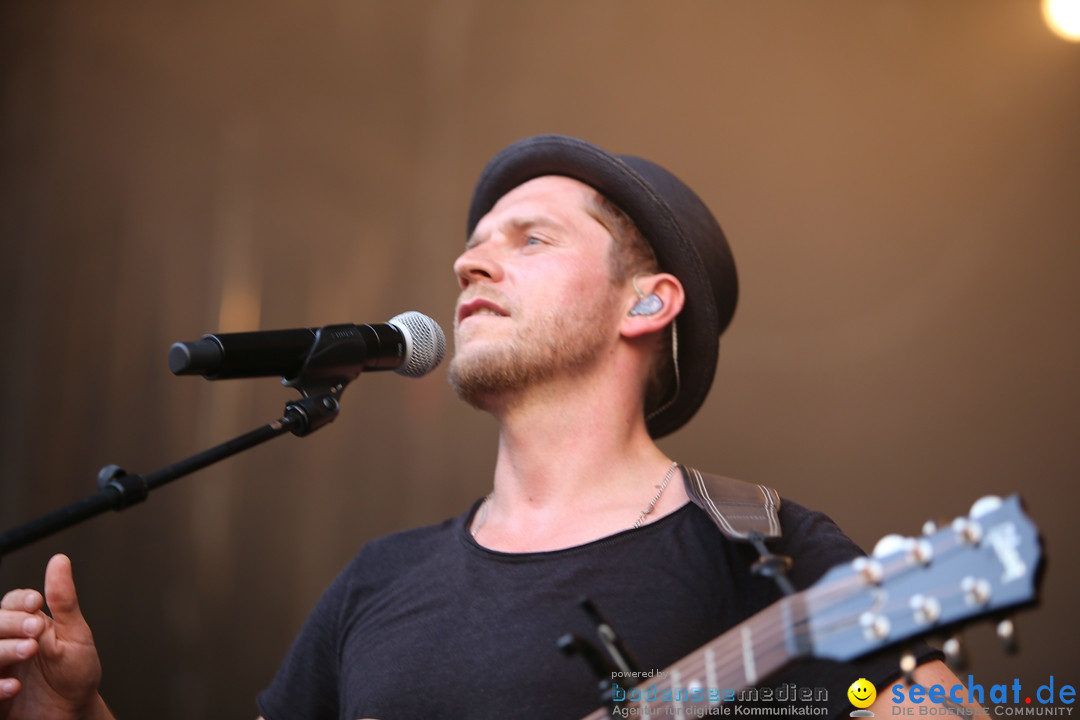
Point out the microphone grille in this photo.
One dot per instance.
(424, 340)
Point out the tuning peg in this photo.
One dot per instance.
(907, 666)
(919, 550)
(954, 653)
(984, 505)
(1006, 632)
(926, 609)
(967, 530)
(869, 570)
(890, 544)
(976, 591)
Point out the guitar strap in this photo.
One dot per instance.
(743, 512)
(738, 508)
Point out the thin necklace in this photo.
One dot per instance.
(482, 514)
(656, 498)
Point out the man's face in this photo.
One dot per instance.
(537, 298)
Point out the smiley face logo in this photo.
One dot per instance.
(862, 693)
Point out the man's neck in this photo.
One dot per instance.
(572, 469)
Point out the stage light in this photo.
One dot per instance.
(1063, 17)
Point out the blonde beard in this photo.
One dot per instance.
(566, 347)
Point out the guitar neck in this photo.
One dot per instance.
(738, 659)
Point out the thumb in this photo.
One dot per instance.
(62, 601)
(69, 662)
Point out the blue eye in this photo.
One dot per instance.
(532, 240)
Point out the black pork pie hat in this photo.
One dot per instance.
(685, 236)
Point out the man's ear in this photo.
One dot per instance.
(654, 303)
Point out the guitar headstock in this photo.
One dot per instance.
(978, 565)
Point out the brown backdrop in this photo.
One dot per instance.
(900, 182)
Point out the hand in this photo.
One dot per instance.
(49, 667)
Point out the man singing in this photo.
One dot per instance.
(594, 290)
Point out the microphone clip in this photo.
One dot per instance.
(329, 367)
(313, 411)
(335, 359)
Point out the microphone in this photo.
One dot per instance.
(410, 344)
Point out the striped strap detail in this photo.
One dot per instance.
(738, 508)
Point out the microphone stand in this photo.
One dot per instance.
(327, 370)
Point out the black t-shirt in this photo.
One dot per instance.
(427, 624)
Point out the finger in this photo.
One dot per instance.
(9, 687)
(62, 601)
(60, 593)
(22, 600)
(16, 650)
(20, 624)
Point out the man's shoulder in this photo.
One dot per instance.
(416, 540)
(814, 541)
(801, 521)
(405, 552)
